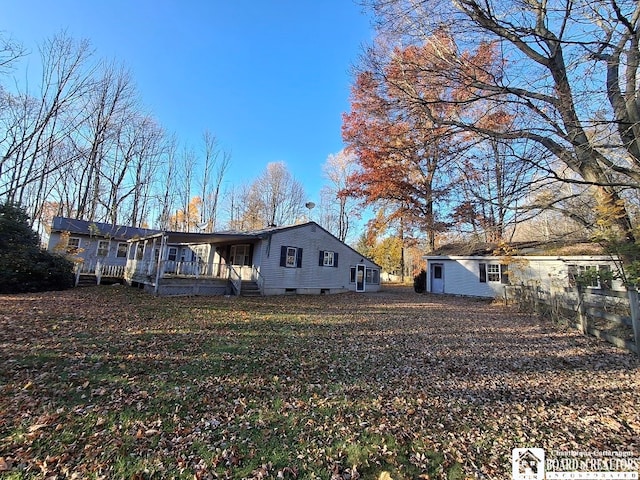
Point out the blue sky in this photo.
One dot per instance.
(269, 78)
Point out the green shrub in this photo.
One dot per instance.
(24, 266)
(420, 282)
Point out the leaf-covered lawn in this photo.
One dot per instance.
(109, 382)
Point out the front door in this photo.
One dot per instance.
(437, 278)
(360, 278)
(239, 257)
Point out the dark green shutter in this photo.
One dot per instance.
(483, 272)
(283, 256)
(504, 274)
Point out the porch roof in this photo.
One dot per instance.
(192, 238)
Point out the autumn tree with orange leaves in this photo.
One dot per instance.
(409, 156)
(568, 71)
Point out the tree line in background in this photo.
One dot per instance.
(78, 143)
(499, 120)
(491, 121)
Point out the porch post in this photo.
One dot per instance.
(152, 258)
(161, 260)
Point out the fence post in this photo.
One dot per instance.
(98, 271)
(78, 268)
(582, 310)
(635, 316)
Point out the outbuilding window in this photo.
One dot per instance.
(595, 276)
(493, 272)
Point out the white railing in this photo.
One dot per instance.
(257, 277)
(194, 269)
(235, 278)
(98, 269)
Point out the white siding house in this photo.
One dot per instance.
(303, 259)
(487, 275)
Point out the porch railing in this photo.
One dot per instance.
(194, 269)
(99, 269)
(235, 277)
(257, 277)
(170, 268)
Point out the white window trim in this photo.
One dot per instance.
(98, 249)
(73, 248)
(493, 273)
(328, 258)
(126, 251)
(294, 263)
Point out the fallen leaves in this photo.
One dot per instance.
(110, 383)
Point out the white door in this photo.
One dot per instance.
(239, 258)
(360, 278)
(437, 278)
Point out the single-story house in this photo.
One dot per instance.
(481, 270)
(91, 243)
(303, 259)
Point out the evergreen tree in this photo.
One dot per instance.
(24, 266)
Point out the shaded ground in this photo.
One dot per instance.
(109, 382)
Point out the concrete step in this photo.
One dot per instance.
(249, 289)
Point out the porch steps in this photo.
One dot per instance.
(249, 289)
(87, 280)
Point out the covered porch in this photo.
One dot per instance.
(175, 263)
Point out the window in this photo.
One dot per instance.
(173, 254)
(290, 257)
(199, 254)
(122, 250)
(240, 255)
(493, 272)
(103, 248)
(328, 259)
(437, 272)
(139, 251)
(594, 276)
(373, 276)
(73, 245)
(352, 277)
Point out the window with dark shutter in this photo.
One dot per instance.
(335, 259)
(504, 274)
(321, 259)
(290, 257)
(483, 272)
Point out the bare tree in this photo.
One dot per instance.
(216, 164)
(32, 127)
(563, 69)
(340, 208)
(167, 187)
(280, 195)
